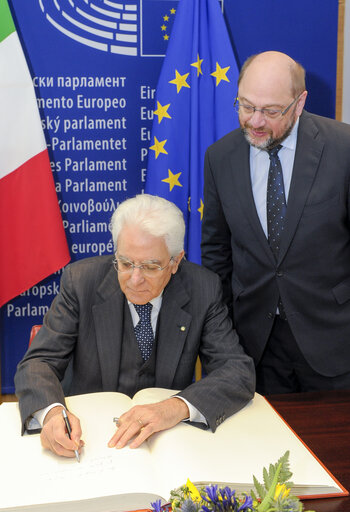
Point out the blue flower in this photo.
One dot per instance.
(156, 506)
(229, 500)
(212, 492)
(222, 500)
(247, 504)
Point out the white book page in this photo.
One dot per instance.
(241, 446)
(45, 477)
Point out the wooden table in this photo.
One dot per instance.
(322, 421)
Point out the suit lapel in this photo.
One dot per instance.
(173, 328)
(242, 182)
(108, 319)
(307, 157)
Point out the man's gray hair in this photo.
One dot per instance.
(153, 215)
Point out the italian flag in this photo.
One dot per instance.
(33, 241)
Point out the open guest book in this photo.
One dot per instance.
(108, 480)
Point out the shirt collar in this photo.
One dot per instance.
(156, 302)
(290, 142)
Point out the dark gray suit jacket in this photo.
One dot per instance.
(312, 274)
(86, 319)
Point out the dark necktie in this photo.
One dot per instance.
(143, 330)
(276, 206)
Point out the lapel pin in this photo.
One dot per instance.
(182, 328)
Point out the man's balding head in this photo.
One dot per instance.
(279, 67)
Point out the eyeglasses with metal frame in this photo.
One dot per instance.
(124, 265)
(271, 113)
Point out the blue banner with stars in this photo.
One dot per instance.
(157, 23)
(194, 108)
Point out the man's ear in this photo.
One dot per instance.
(301, 103)
(176, 262)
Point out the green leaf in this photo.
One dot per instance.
(285, 473)
(253, 495)
(265, 504)
(259, 488)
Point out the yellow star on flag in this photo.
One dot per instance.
(163, 27)
(220, 74)
(173, 179)
(179, 81)
(166, 18)
(162, 111)
(198, 65)
(201, 209)
(172, 11)
(158, 147)
(166, 37)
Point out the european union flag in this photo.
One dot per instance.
(157, 23)
(194, 107)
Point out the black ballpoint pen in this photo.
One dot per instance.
(69, 430)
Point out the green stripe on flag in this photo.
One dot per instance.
(6, 22)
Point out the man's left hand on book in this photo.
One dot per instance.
(141, 421)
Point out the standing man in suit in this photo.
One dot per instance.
(136, 322)
(276, 229)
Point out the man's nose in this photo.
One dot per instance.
(257, 119)
(136, 276)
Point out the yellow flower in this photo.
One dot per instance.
(282, 490)
(193, 491)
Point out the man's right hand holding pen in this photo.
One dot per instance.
(54, 433)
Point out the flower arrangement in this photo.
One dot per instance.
(273, 495)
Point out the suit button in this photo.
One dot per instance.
(270, 315)
(279, 273)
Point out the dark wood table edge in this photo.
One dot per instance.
(322, 420)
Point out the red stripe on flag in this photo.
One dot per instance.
(33, 240)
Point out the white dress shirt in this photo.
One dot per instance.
(259, 171)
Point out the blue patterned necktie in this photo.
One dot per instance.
(276, 206)
(143, 330)
(276, 209)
